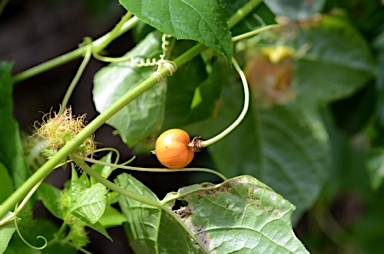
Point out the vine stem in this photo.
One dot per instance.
(206, 170)
(230, 128)
(254, 32)
(71, 145)
(77, 53)
(75, 80)
(19, 208)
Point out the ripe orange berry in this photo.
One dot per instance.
(172, 149)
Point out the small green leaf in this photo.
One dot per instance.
(6, 186)
(112, 218)
(113, 81)
(6, 232)
(202, 21)
(240, 215)
(91, 202)
(11, 152)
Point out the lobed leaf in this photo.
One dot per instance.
(202, 21)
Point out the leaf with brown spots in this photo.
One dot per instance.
(240, 215)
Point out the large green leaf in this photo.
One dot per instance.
(149, 229)
(145, 114)
(337, 63)
(198, 20)
(11, 152)
(239, 215)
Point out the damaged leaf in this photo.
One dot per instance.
(240, 215)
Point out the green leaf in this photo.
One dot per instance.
(337, 63)
(91, 202)
(113, 81)
(150, 230)
(202, 21)
(240, 215)
(112, 218)
(11, 152)
(6, 232)
(50, 197)
(285, 147)
(6, 186)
